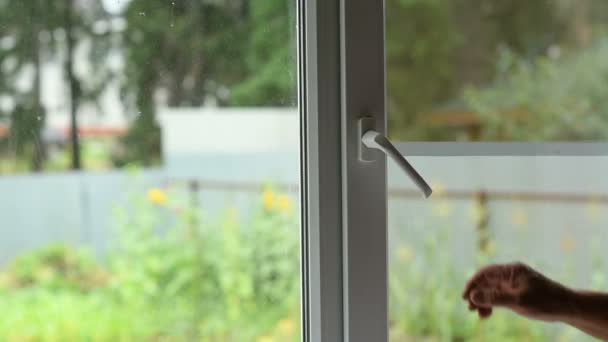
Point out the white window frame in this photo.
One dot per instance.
(344, 200)
(344, 210)
(502, 149)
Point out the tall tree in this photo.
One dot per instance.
(73, 84)
(270, 56)
(191, 51)
(420, 45)
(22, 26)
(437, 48)
(38, 32)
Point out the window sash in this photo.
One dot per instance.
(344, 230)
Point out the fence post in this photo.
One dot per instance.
(193, 190)
(482, 229)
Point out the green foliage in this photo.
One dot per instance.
(270, 57)
(548, 99)
(235, 274)
(32, 34)
(419, 53)
(424, 302)
(141, 144)
(177, 275)
(435, 49)
(242, 53)
(54, 267)
(39, 314)
(26, 122)
(184, 277)
(238, 53)
(192, 49)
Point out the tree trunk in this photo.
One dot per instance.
(73, 85)
(38, 143)
(581, 25)
(473, 59)
(39, 147)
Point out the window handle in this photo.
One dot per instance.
(375, 140)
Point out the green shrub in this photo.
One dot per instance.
(55, 266)
(178, 275)
(226, 273)
(425, 299)
(41, 314)
(549, 99)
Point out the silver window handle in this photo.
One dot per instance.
(375, 140)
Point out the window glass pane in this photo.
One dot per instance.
(505, 71)
(547, 212)
(149, 156)
(468, 70)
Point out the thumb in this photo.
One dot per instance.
(489, 298)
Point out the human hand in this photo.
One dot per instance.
(519, 288)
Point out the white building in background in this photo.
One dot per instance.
(231, 144)
(107, 117)
(202, 130)
(209, 130)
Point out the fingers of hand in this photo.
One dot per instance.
(489, 275)
(482, 297)
(487, 297)
(492, 286)
(484, 312)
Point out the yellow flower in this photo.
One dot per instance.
(442, 209)
(287, 327)
(478, 212)
(233, 215)
(157, 196)
(567, 336)
(266, 339)
(405, 254)
(438, 189)
(6, 281)
(268, 199)
(284, 204)
(519, 218)
(594, 209)
(491, 248)
(568, 244)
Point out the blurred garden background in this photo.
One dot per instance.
(149, 165)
